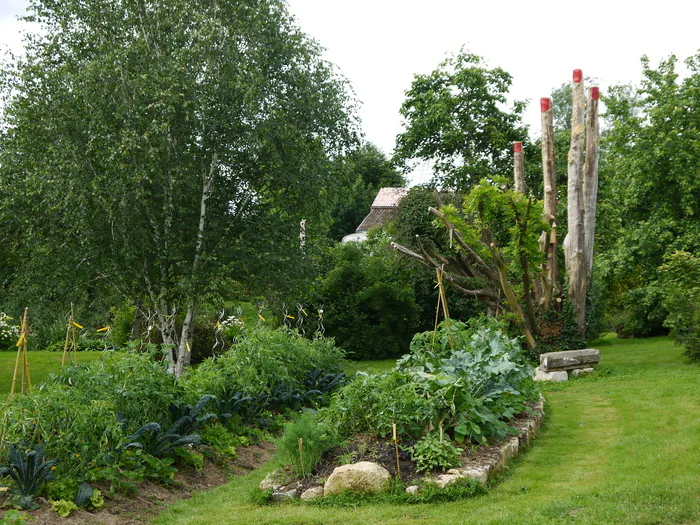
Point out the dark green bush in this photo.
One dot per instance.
(681, 278)
(368, 300)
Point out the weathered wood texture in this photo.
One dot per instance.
(570, 359)
(519, 167)
(574, 241)
(549, 241)
(590, 179)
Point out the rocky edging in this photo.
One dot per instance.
(481, 466)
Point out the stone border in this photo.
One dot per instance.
(487, 462)
(491, 460)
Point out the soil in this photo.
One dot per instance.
(150, 499)
(368, 448)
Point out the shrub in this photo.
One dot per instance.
(303, 444)
(368, 300)
(681, 277)
(264, 360)
(29, 472)
(435, 451)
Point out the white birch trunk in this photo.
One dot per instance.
(519, 167)
(184, 350)
(574, 241)
(549, 241)
(590, 180)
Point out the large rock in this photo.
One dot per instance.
(365, 476)
(569, 360)
(582, 371)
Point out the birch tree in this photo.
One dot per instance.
(160, 142)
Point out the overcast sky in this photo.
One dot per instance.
(380, 44)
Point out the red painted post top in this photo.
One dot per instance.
(578, 75)
(545, 104)
(595, 93)
(517, 147)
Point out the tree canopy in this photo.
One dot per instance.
(152, 146)
(455, 117)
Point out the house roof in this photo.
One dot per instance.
(389, 197)
(383, 208)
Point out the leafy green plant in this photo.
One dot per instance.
(153, 440)
(63, 507)
(13, 517)
(89, 497)
(435, 451)
(222, 440)
(186, 419)
(29, 471)
(303, 444)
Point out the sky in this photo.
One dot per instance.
(379, 45)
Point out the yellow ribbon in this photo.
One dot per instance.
(77, 325)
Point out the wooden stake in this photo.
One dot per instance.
(22, 353)
(396, 448)
(519, 167)
(590, 179)
(548, 243)
(574, 241)
(301, 456)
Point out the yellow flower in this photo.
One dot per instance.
(53, 468)
(77, 455)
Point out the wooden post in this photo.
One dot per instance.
(396, 449)
(519, 167)
(549, 242)
(574, 241)
(590, 180)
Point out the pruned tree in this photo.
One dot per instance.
(494, 250)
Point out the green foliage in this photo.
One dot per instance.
(372, 403)
(368, 299)
(434, 451)
(367, 170)
(63, 507)
(315, 440)
(469, 382)
(650, 189)
(456, 118)
(680, 275)
(265, 359)
(157, 442)
(122, 323)
(148, 114)
(29, 471)
(218, 437)
(13, 517)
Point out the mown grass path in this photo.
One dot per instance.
(621, 447)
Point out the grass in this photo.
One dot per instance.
(41, 364)
(618, 447)
(384, 365)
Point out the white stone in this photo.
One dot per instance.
(477, 474)
(364, 476)
(541, 375)
(412, 489)
(312, 493)
(509, 450)
(443, 480)
(272, 481)
(582, 371)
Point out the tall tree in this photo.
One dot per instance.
(159, 142)
(366, 169)
(455, 117)
(651, 189)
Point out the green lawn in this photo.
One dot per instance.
(41, 364)
(622, 446)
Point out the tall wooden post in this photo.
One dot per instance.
(549, 240)
(574, 241)
(519, 167)
(590, 180)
